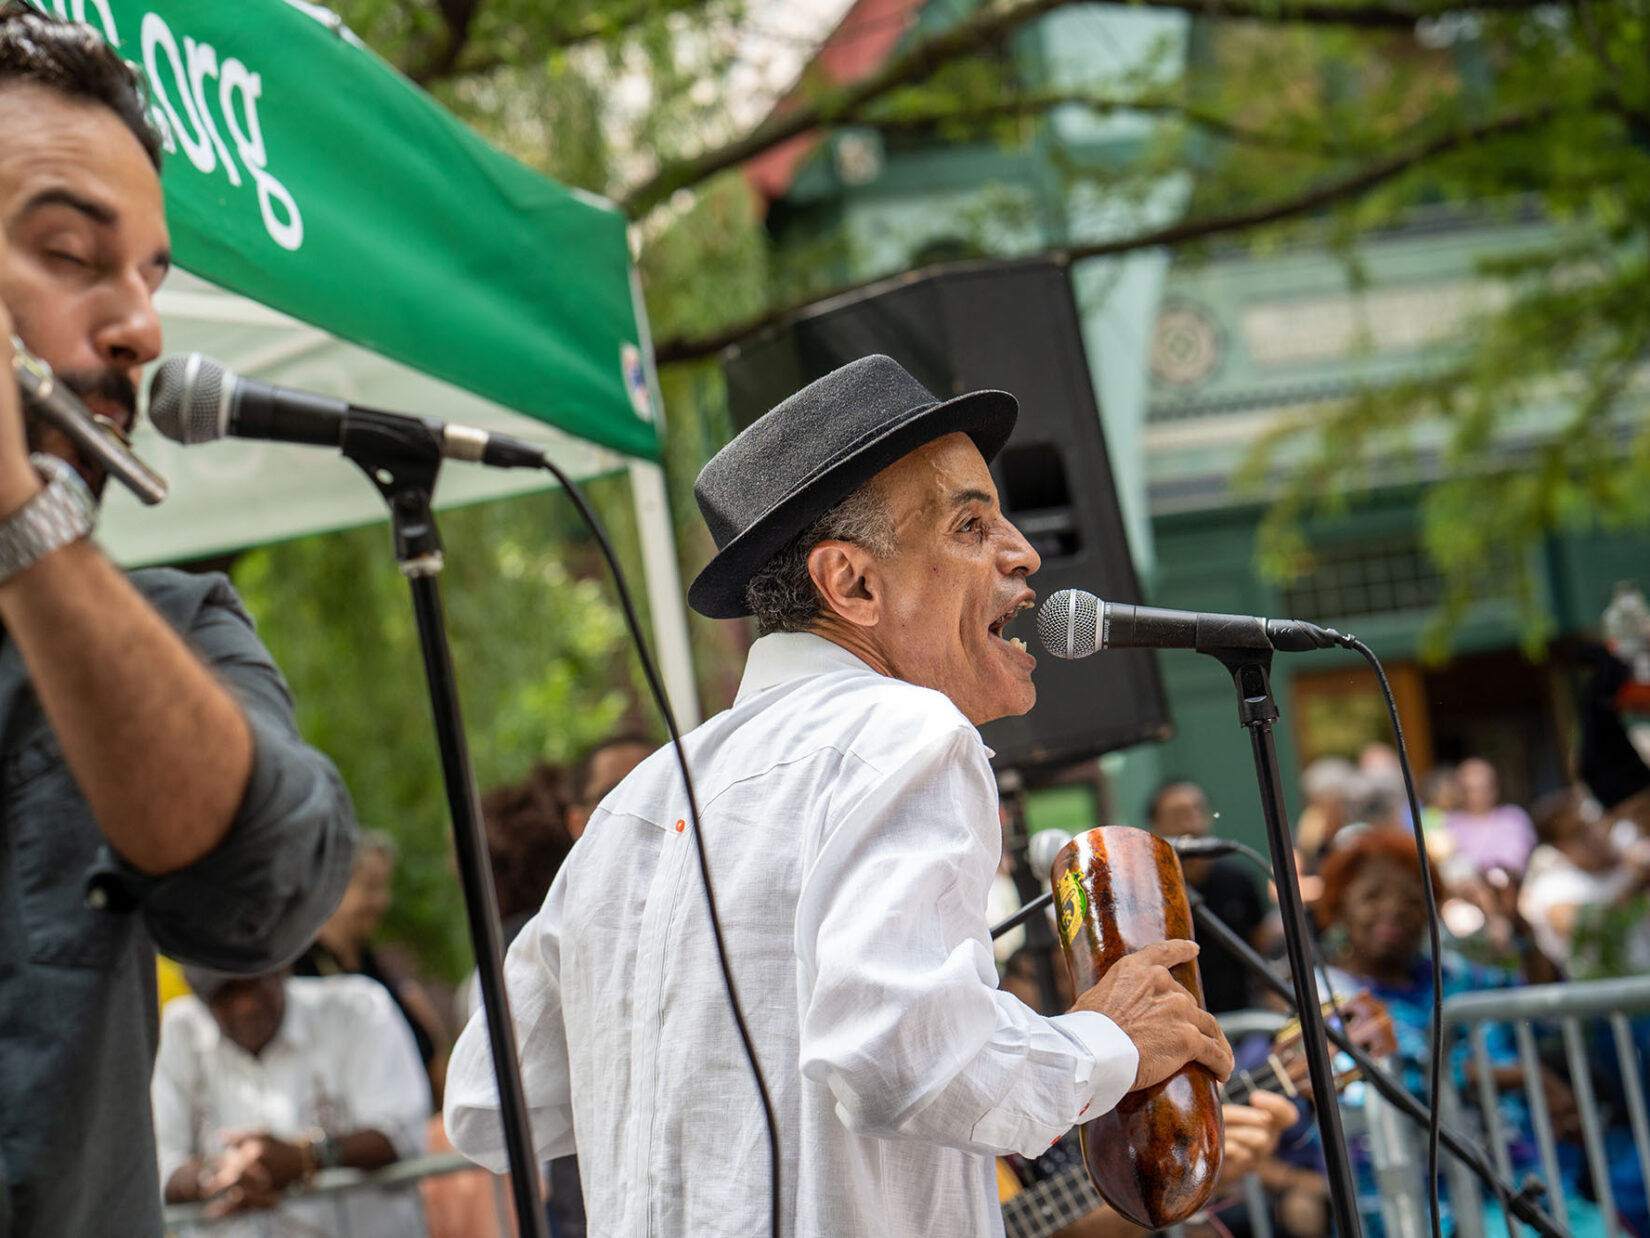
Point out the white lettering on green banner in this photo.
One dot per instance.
(183, 110)
(308, 174)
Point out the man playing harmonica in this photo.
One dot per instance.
(153, 788)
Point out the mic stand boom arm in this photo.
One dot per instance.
(402, 456)
(1211, 927)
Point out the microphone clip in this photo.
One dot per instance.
(401, 456)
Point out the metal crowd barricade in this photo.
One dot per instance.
(1237, 1024)
(1567, 1006)
(336, 1183)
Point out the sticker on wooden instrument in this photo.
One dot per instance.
(1072, 903)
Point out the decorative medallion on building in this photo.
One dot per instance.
(1186, 345)
(859, 156)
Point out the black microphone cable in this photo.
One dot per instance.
(1436, 1047)
(656, 687)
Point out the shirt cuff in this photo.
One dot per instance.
(1116, 1060)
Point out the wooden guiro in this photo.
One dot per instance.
(1156, 1156)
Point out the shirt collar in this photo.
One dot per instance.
(294, 1030)
(783, 656)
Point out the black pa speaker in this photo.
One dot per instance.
(1011, 325)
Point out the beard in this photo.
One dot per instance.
(109, 386)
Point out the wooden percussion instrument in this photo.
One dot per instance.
(1156, 1156)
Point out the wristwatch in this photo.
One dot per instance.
(328, 1155)
(63, 512)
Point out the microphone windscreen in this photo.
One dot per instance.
(1041, 849)
(186, 399)
(1068, 623)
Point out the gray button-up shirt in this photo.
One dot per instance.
(79, 928)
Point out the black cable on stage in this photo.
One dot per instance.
(657, 688)
(1249, 853)
(1259, 861)
(1435, 1064)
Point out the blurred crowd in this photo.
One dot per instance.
(338, 1061)
(263, 1083)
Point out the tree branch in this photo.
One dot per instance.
(988, 26)
(451, 61)
(1325, 194)
(457, 16)
(612, 22)
(1637, 118)
(1328, 192)
(1219, 126)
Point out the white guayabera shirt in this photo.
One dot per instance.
(343, 1061)
(851, 821)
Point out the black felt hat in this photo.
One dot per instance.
(795, 462)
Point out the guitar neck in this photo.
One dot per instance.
(1051, 1205)
(1270, 1076)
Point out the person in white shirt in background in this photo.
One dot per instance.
(850, 818)
(260, 1083)
(1587, 871)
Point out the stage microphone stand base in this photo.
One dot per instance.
(1250, 666)
(402, 459)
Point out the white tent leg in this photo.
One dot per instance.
(664, 591)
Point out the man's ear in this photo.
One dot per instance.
(846, 577)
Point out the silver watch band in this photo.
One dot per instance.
(63, 512)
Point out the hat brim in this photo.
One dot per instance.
(987, 417)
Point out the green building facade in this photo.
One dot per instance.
(1194, 357)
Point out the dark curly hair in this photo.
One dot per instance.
(73, 60)
(1346, 860)
(527, 838)
(1154, 801)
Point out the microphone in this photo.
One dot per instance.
(1047, 843)
(1043, 846)
(1191, 846)
(97, 439)
(194, 399)
(1074, 624)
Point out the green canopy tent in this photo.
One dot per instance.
(345, 234)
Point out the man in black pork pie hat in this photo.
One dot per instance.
(850, 818)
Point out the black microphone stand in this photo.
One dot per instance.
(402, 457)
(1243, 647)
